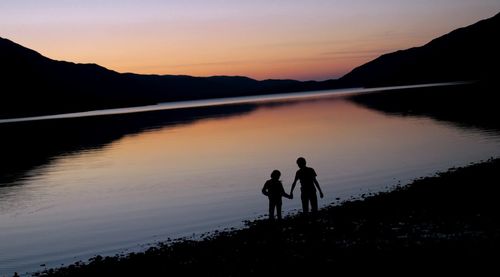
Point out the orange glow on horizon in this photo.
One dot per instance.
(293, 39)
(315, 61)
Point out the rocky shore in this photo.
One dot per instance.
(449, 222)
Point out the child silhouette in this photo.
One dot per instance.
(273, 189)
(308, 184)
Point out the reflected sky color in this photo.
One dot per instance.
(317, 39)
(208, 174)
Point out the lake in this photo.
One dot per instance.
(73, 187)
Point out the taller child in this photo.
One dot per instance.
(308, 185)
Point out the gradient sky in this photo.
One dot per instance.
(298, 39)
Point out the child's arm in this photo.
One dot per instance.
(265, 189)
(317, 186)
(284, 194)
(293, 185)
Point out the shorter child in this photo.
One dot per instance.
(273, 189)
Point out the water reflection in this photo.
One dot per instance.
(26, 146)
(30, 145)
(466, 106)
(99, 185)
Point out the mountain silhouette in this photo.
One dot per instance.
(469, 53)
(31, 84)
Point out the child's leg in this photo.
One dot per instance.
(278, 210)
(314, 202)
(271, 209)
(305, 202)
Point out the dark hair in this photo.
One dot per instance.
(275, 174)
(301, 161)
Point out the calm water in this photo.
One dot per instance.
(74, 188)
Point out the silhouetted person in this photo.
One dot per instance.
(273, 189)
(308, 185)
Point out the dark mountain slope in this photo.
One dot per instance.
(469, 53)
(32, 84)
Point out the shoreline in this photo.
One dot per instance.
(211, 102)
(446, 220)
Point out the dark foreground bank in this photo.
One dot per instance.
(449, 222)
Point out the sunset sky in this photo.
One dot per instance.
(297, 39)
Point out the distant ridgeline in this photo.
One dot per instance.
(469, 53)
(32, 84)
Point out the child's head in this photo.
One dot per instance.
(276, 174)
(301, 162)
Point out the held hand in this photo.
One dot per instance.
(321, 194)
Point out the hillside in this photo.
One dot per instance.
(469, 53)
(32, 84)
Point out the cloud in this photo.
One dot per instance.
(351, 53)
